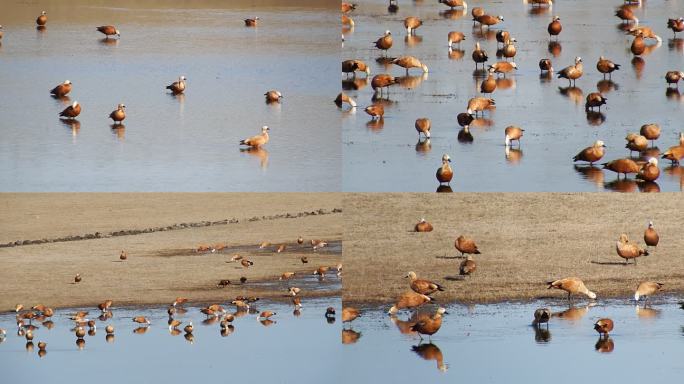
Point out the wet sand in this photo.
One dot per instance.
(387, 155)
(525, 240)
(164, 264)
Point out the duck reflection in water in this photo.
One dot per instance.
(412, 81)
(621, 185)
(119, 130)
(595, 118)
(649, 187)
(73, 124)
(574, 314)
(638, 64)
(646, 312)
(456, 54)
(431, 351)
(349, 336)
(376, 124)
(591, 173)
(453, 14)
(607, 85)
(573, 93)
(464, 135)
(64, 100)
(555, 48)
(513, 155)
(604, 345)
(108, 41)
(413, 40)
(444, 189)
(423, 147)
(385, 62)
(258, 152)
(354, 84)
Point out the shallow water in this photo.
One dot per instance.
(387, 156)
(184, 143)
(496, 343)
(156, 355)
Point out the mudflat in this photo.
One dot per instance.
(161, 233)
(525, 239)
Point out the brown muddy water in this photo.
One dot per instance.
(157, 354)
(170, 143)
(387, 155)
(496, 343)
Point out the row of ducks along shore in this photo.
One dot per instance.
(214, 313)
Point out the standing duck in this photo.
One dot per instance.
(258, 140)
(455, 37)
(647, 288)
(572, 72)
(119, 114)
(479, 55)
(651, 237)
(42, 19)
(409, 300)
(594, 99)
(423, 126)
(591, 154)
(488, 85)
(412, 23)
(375, 110)
(454, 3)
(488, 20)
(71, 111)
(603, 326)
(628, 250)
(676, 153)
(429, 326)
(251, 22)
(177, 87)
(422, 286)
(650, 131)
(673, 77)
(571, 285)
(638, 46)
(676, 25)
(606, 66)
(555, 27)
(385, 42)
(513, 133)
(650, 171)
(445, 173)
(62, 89)
(109, 30)
(409, 62)
(466, 245)
(622, 166)
(545, 65)
(625, 14)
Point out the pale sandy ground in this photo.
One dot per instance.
(161, 265)
(526, 239)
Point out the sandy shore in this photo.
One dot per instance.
(525, 239)
(163, 264)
